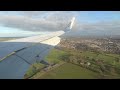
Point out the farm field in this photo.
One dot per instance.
(68, 71)
(71, 69)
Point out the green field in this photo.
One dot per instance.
(112, 59)
(102, 66)
(68, 71)
(9, 38)
(6, 39)
(54, 56)
(34, 68)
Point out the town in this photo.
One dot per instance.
(108, 45)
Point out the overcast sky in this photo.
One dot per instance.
(27, 23)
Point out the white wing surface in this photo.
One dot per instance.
(17, 55)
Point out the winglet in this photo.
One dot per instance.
(70, 25)
(72, 22)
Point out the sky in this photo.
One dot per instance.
(28, 23)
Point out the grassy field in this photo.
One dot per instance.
(9, 38)
(33, 69)
(107, 58)
(54, 56)
(68, 71)
(6, 39)
(74, 70)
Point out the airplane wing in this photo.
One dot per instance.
(17, 55)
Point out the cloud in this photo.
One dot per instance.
(26, 23)
(32, 21)
(96, 29)
(57, 20)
